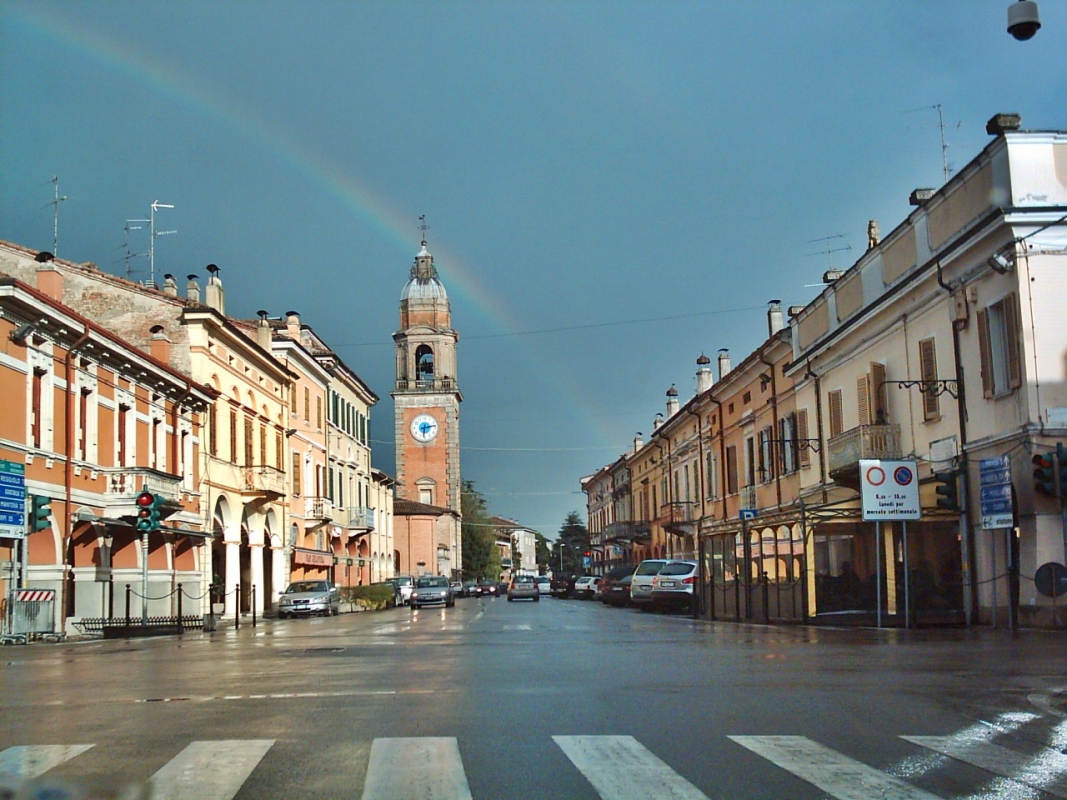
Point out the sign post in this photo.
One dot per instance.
(889, 490)
(12, 500)
(998, 510)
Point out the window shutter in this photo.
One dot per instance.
(731, 469)
(985, 351)
(879, 398)
(249, 445)
(837, 422)
(863, 399)
(928, 373)
(1011, 324)
(803, 446)
(298, 472)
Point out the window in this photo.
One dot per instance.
(263, 445)
(212, 431)
(83, 424)
(747, 398)
(750, 461)
(233, 436)
(928, 375)
(426, 495)
(731, 469)
(424, 367)
(766, 456)
(998, 344)
(879, 399)
(786, 444)
(298, 473)
(712, 477)
(124, 411)
(318, 412)
(36, 412)
(837, 423)
(249, 442)
(863, 399)
(803, 445)
(279, 451)
(307, 404)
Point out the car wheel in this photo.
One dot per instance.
(537, 599)
(282, 615)
(510, 598)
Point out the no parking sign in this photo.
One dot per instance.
(890, 490)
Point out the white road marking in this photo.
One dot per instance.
(27, 762)
(1046, 770)
(621, 768)
(517, 628)
(425, 768)
(209, 770)
(839, 776)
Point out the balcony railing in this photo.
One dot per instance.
(359, 517)
(626, 531)
(318, 508)
(845, 450)
(433, 385)
(125, 483)
(264, 480)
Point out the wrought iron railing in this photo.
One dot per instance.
(360, 517)
(269, 480)
(424, 385)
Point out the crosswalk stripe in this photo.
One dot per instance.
(26, 762)
(1046, 770)
(209, 770)
(424, 768)
(621, 768)
(839, 776)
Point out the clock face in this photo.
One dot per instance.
(424, 428)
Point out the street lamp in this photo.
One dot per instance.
(561, 546)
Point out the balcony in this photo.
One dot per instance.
(125, 483)
(432, 385)
(627, 531)
(679, 518)
(846, 450)
(359, 517)
(267, 482)
(318, 508)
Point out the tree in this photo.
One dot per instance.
(574, 537)
(481, 558)
(542, 553)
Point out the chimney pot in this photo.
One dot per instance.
(192, 290)
(921, 196)
(1001, 123)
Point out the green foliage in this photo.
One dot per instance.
(574, 537)
(543, 553)
(374, 596)
(481, 558)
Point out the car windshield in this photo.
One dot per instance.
(307, 586)
(431, 582)
(678, 568)
(649, 568)
(522, 579)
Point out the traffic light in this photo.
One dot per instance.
(947, 489)
(40, 513)
(1045, 474)
(1061, 467)
(148, 511)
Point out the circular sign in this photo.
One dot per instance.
(903, 476)
(875, 476)
(1051, 579)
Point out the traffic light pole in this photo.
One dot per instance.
(144, 578)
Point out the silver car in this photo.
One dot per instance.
(309, 597)
(431, 590)
(641, 583)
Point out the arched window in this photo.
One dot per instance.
(424, 363)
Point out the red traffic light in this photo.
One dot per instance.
(145, 499)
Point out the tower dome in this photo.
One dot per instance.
(423, 283)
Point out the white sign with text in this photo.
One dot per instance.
(889, 490)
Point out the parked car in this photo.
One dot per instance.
(608, 590)
(397, 599)
(486, 588)
(544, 584)
(523, 587)
(470, 588)
(673, 586)
(432, 590)
(641, 583)
(309, 597)
(457, 589)
(404, 584)
(563, 585)
(585, 587)
(618, 592)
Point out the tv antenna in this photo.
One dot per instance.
(830, 249)
(153, 233)
(945, 169)
(130, 226)
(55, 215)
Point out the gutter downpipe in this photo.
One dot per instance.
(696, 533)
(970, 588)
(68, 472)
(722, 486)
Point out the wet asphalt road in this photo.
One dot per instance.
(504, 678)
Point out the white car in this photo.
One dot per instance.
(544, 584)
(585, 586)
(641, 583)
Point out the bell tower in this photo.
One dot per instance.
(426, 396)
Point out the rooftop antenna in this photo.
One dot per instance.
(153, 233)
(830, 250)
(423, 227)
(55, 215)
(130, 226)
(945, 169)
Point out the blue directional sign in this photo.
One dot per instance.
(12, 500)
(994, 477)
(748, 513)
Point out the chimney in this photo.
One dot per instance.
(213, 295)
(263, 331)
(775, 318)
(724, 363)
(192, 290)
(657, 422)
(1002, 123)
(704, 377)
(292, 325)
(638, 442)
(672, 401)
(874, 234)
(49, 278)
(159, 344)
(170, 286)
(920, 197)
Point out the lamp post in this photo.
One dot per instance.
(561, 546)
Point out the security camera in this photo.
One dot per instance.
(1023, 20)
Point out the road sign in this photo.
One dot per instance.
(994, 478)
(748, 513)
(889, 490)
(12, 500)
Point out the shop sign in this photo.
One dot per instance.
(12, 500)
(312, 559)
(889, 490)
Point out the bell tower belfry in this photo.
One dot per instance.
(426, 396)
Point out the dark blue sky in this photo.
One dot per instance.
(612, 188)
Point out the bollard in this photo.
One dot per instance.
(127, 605)
(253, 605)
(237, 607)
(181, 624)
(766, 600)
